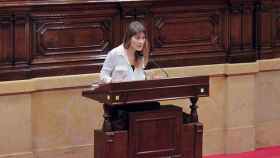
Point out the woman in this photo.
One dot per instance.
(127, 61)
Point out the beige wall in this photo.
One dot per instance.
(267, 111)
(48, 117)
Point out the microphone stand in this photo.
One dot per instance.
(160, 68)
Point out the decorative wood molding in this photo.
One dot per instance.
(264, 32)
(6, 38)
(46, 38)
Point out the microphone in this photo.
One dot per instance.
(160, 68)
(139, 55)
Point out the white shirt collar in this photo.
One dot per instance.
(122, 52)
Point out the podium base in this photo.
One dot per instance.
(150, 134)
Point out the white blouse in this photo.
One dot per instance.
(117, 68)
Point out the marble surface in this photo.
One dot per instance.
(48, 117)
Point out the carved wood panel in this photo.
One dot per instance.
(71, 41)
(247, 26)
(155, 134)
(14, 54)
(22, 39)
(66, 37)
(75, 36)
(191, 32)
(180, 32)
(267, 29)
(6, 40)
(276, 30)
(140, 12)
(241, 32)
(276, 27)
(59, 38)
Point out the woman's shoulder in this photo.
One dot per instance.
(116, 51)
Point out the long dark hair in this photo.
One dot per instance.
(132, 29)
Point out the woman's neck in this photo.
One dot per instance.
(130, 51)
(130, 55)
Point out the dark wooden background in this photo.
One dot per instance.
(60, 37)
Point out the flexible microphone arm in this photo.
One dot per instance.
(158, 66)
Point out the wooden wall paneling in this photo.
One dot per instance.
(248, 30)
(6, 45)
(16, 44)
(241, 32)
(265, 29)
(20, 47)
(188, 35)
(22, 39)
(22, 44)
(131, 11)
(67, 37)
(128, 14)
(234, 29)
(70, 41)
(227, 44)
(6, 39)
(276, 29)
(144, 15)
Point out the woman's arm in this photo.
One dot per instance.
(107, 69)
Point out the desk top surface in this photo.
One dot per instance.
(149, 90)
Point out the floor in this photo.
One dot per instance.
(270, 152)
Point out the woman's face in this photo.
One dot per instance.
(137, 41)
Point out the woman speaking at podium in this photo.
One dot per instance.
(127, 61)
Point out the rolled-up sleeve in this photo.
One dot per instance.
(107, 69)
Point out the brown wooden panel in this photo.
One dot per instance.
(60, 36)
(70, 41)
(22, 39)
(69, 37)
(241, 30)
(265, 29)
(188, 140)
(247, 21)
(266, 32)
(166, 36)
(235, 30)
(14, 52)
(6, 40)
(182, 33)
(155, 134)
(151, 140)
(198, 140)
(135, 11)
(188, 31)
(57, 38)
(276, 30)
(110, 144)
(149, 90)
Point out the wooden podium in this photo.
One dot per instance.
(137, 126)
